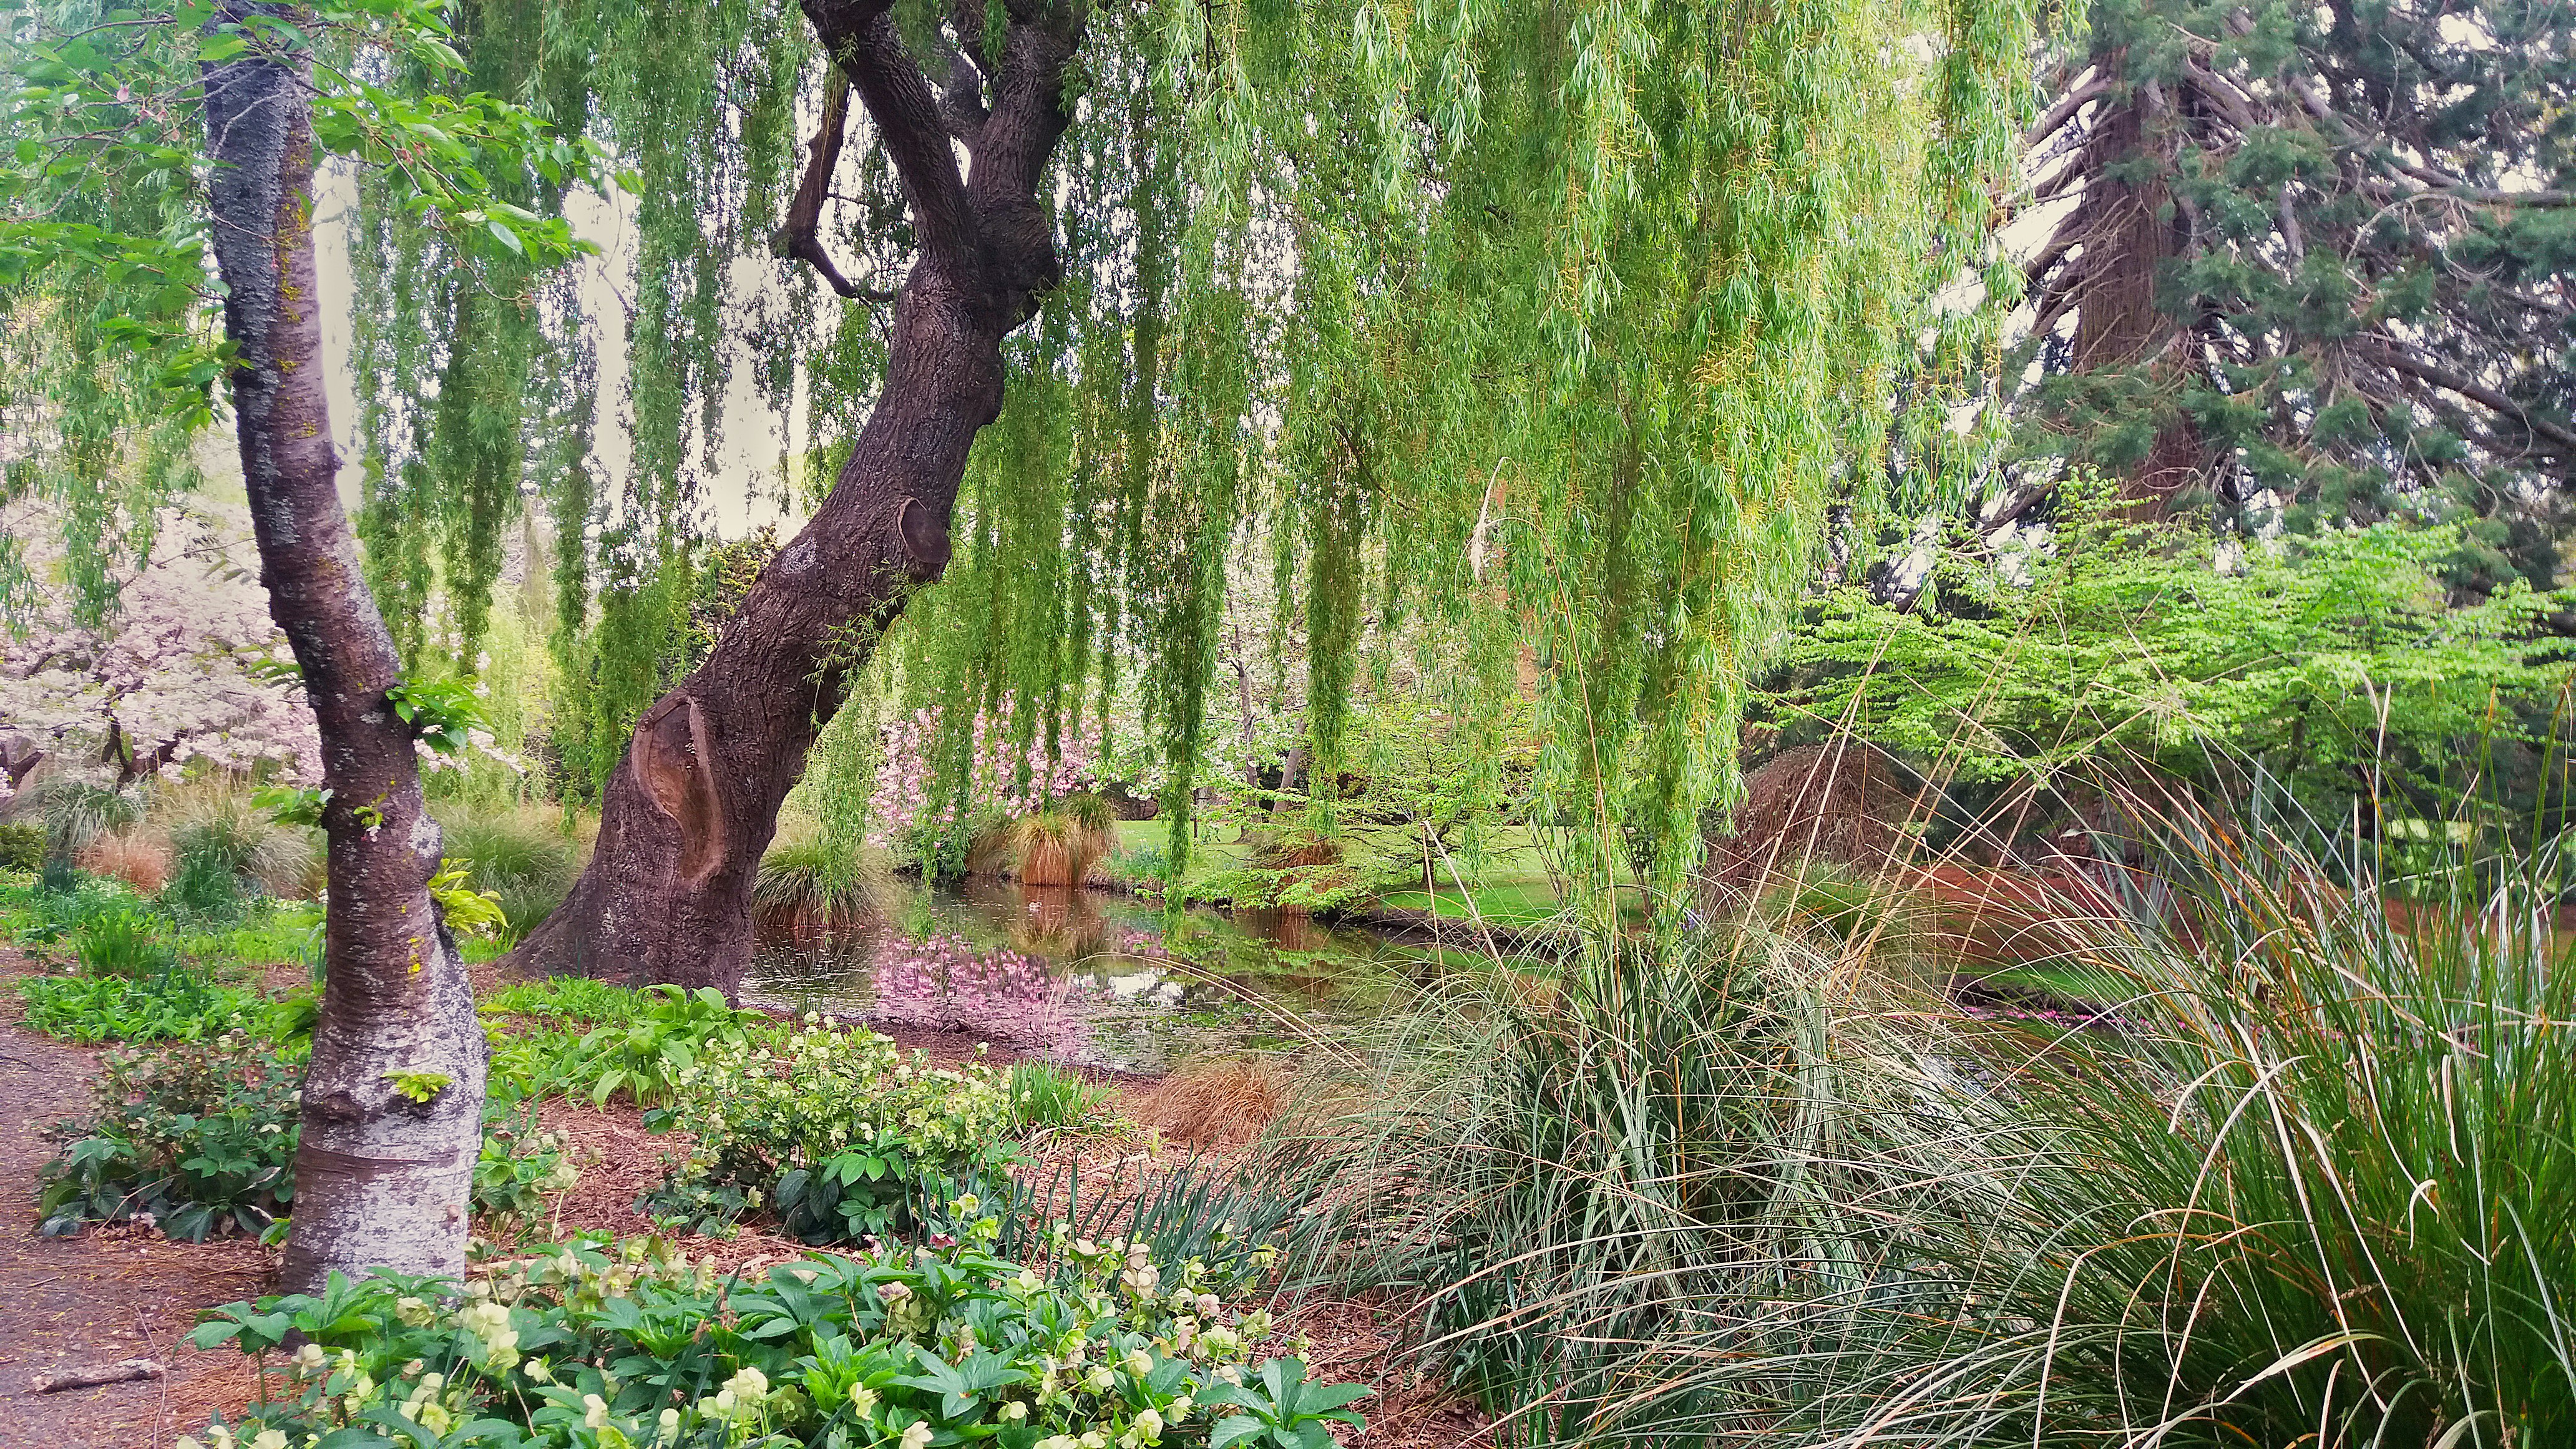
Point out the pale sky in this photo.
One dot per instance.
(745, 492)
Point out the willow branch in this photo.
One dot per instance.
(802, 235)
(861, 37)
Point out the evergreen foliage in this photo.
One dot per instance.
(2339, 669)
(2317, 261)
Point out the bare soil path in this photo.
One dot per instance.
(96, 1299)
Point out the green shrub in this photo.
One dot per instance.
(22, 846)
(229, 848)
(645, 1055)
(200, 1140)
(1145, 863)
(2317, 1186)
(907, 1348)
(181, 1004)
(833, 1134)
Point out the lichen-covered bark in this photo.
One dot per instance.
(382, 1181)
(687, 814)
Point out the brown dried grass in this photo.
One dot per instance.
(141, 859)
(1215, 1102)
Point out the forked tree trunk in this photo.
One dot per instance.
(688, 812)
(382, 1181)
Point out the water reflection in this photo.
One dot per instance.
(1084, 976)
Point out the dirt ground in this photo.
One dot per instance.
(98, 1299)
(108, 1296)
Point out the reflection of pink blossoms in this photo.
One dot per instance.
(947, 984)
(902, 797)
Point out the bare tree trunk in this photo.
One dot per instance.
(382, 1181)
(688, 812)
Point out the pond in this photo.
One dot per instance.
(1091, 977)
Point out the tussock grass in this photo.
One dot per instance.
(523, 854)
(1216, 1101)
(814, 881)
(2308, 1181)
(1056, 845)
(135, 857)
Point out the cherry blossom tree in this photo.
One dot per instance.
(190, 667)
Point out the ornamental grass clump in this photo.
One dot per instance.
(814, 882)
(2307, 1177)
(593, 1344)
(834, 1134)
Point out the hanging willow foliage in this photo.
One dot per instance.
(1559, 327)
(1553, 327)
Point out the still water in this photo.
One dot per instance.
(1087, 976)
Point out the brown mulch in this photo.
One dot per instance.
(125, 1293)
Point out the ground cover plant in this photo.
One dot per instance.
(833, 1134)
(586, 1038)
(179, 1004)
(143, 975)
(593, 1344)
(198, 1139)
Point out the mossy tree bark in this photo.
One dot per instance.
(689, 811)
(382, 1180)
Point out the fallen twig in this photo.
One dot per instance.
(122, 1371)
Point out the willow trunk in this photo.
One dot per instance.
(688, 812)
(383, 1176)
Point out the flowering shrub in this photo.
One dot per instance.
(835, 1132)
(189, 667)
(1000, 776)
(594, 1347)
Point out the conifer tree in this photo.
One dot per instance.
(2317, 259)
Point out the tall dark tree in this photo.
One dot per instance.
(393, 1097)
(687, 816)
(2322, 253)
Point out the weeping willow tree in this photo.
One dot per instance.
(1560, 327)
(1552, 329)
